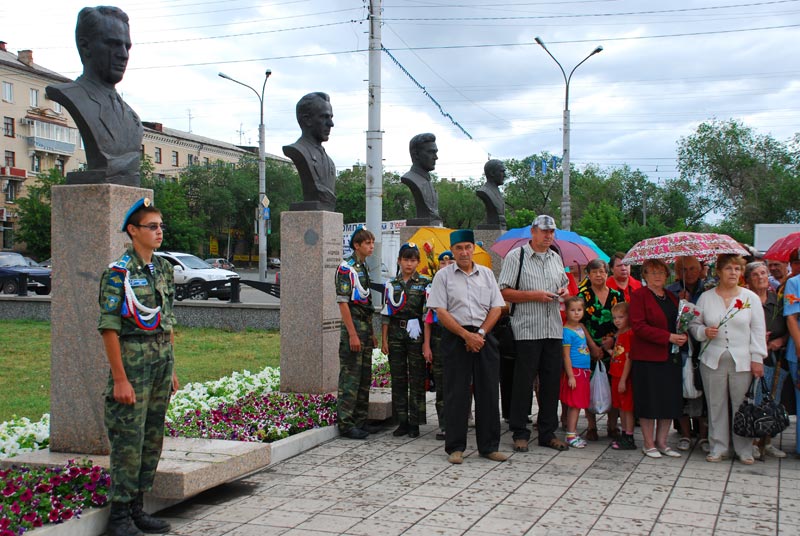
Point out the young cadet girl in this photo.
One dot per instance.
(620, 372)
(402, 340)
(577, 369)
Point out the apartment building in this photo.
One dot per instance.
(37, 133)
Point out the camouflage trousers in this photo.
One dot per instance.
(355, 376)
(438, 372)
(407, 367)
(136, 432)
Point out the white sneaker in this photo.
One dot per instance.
(773, 451)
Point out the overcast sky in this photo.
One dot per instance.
(666, 67)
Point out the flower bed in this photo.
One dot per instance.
(257, 417)
(22, 435)
(33, 497)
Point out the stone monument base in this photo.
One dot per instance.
(101, 177)
(86, 237)
(489, 237)
(310, 319)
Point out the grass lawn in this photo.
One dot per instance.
(201, 354)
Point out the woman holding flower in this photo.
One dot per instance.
(732, 329)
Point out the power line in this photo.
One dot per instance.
(248, 33)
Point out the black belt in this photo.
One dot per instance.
(471, 329)
(161, 337)
(403, 322)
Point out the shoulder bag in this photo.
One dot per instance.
(502, 330)
(766, 419)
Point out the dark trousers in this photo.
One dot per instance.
(506, 385)
(461, 368)
(540, 357)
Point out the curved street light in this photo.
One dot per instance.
(262, 177)
(566, 207)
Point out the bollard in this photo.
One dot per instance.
(22, 282)
(235, 289)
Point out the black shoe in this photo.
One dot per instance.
(413, 431)
(356, 433)
(401, 430)
(120, 522)
(372, 428)
(144, 521)
(440, 436)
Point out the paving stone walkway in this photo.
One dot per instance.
(387, 486)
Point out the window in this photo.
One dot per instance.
(10, 159)
(205, 161)
(175, 158)
(11, 191)
(60, 166)
(158, 155)
(189, 159)
(8, 126)
(36, 163)
(35, 98)
(56, 107)
(8, 237)
(55, 132)
(8, 92)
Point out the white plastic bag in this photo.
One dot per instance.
(599, 390)
(689, 390)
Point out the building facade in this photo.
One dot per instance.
(38, 134)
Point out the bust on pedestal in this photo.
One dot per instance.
(492, 197)
(316, 169)
(424, 154)
(111, 130)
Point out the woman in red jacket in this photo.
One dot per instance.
(657, 394)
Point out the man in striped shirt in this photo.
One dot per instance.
(537, 330)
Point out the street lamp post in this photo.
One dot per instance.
(262, 177)
(566, 207)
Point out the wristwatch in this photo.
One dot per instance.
(482, 332)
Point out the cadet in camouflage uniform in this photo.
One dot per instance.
(136, 321)
(432, 352)
(357, 336)
(402, 341)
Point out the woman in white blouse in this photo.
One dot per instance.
(731, 329)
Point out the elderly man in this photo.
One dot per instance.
(111, 130)
(689, 283)
(317, 171)
(424, 154)
(620, 278)
(538, 331)
(467, 301)
(778, 273)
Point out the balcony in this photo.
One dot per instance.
(52, 138)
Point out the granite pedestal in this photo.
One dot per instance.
(86, 237)
(310, 319)
(489, 237)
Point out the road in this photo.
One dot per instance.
(251, 295)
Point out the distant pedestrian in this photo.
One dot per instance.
(402, 340)
(467, 301)
(357, 338)
(136, 322)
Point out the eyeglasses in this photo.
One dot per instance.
(152, 226)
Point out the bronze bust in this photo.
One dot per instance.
(111, 130)
(316, 169)
(492, 197)
(424, 154)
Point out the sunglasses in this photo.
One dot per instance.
(153, 226)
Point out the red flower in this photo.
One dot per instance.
(739, 304)
(26, 495)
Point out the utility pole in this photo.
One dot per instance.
(374, 182)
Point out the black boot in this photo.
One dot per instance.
(120, 522)
(144, 521)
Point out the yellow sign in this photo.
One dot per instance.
(213, 246)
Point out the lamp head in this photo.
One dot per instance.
(598, 50)
(268, 72)
(223, 75)
(538, 41)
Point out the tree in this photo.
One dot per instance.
(459, 207)
(539, 192)
(34, 213)
(744, 176)
(602, 223)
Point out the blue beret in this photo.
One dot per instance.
(447, 254)
(462, 235)
(143, 202)
(407, 245)
(357, 229)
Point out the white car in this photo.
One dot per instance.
(191, 270)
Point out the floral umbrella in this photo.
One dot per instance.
(704, 246)
(783, 247)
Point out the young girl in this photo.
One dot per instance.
(577, 363)
(620, 372)
(402, 341)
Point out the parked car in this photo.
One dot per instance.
(12, 264)
(273, 262)
(31, 262)
(46, 263)
(191, 270)
(220, 262)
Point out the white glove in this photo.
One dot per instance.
(413, 329)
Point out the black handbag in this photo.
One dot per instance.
(766, 419)
(502, 330)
